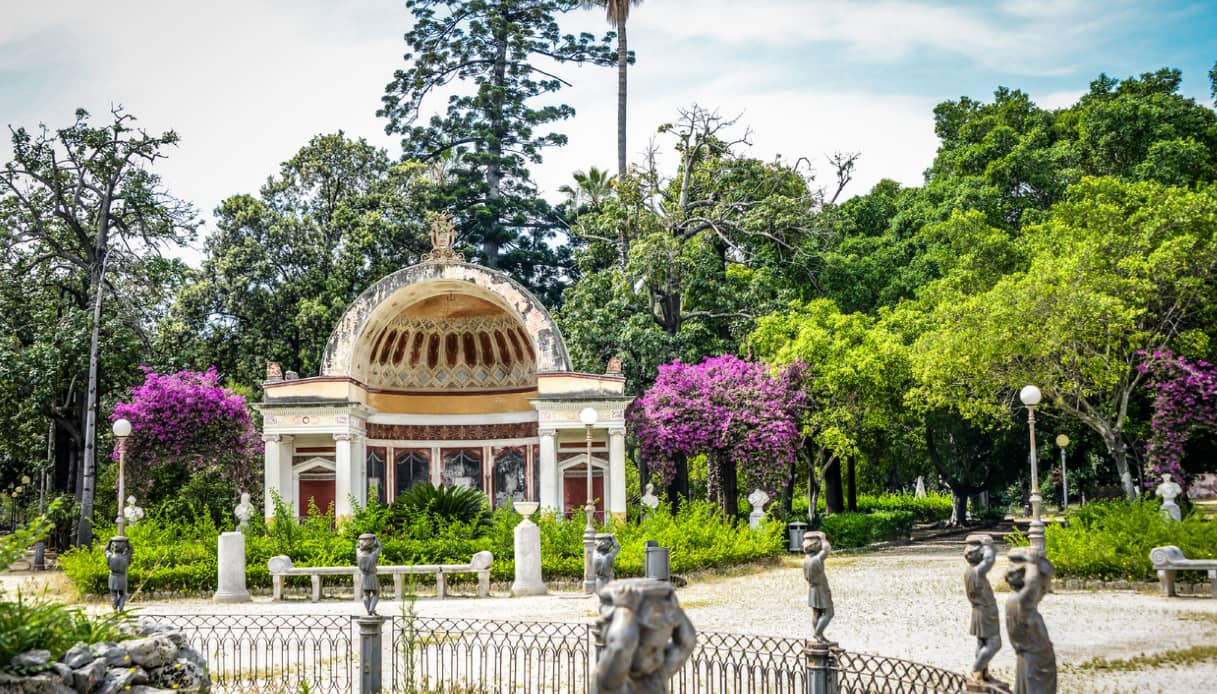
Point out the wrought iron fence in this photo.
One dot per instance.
(271, 653)
(279, 653)
(445, 654)
(862, 672)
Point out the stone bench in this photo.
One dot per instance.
(1169, 559)
(281, 567)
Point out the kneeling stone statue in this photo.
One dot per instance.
(644, 639)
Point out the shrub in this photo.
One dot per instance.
(848, 530)
(1112, 540)
(934, 506)
(28, 625)
(442, 504)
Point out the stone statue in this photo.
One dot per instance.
(443, 236)
(367, 555)
(644, 637)
(758, 498)
(650, 502)
(118, 559)
(1030, 577)
(920, 489)
(132, 513)
(1169, 490)
(243, 511)
(980, 554)
(604, 558)
(819, 597)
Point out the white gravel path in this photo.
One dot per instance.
(904, 602)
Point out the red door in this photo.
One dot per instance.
(320, 492)
(574, 485)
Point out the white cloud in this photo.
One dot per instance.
(1021, 37)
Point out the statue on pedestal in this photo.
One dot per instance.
(1169, 490)
(604, 559)
(367, 556)
(650, 502)
(819, 597)
(644, 637)
(118, 559)
(980, 554)
(132, 513)
(1030, 577)
(757, 499)
(243, 511)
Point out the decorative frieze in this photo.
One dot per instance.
(452, 432)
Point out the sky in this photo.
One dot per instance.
(246, 83)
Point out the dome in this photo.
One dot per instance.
(452, 341)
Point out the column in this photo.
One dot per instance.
(548, 469)
(359, 467)
(616, 486)
(344, 482)
(277, 472)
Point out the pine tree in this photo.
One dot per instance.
(498, 56)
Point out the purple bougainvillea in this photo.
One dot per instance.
(188, 418)
(1185, 399)
(732, 410)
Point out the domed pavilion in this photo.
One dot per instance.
(449, 373)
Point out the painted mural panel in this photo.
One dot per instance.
(413, 467)
(510, 476)
(376, 472)
(462, 467)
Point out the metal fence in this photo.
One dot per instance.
(273, 653)
(279, 653)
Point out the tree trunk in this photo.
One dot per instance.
(678, 488)
(813, 491)
(851, 485)
(834, 499)
(786, 497)
(729, 476)
(494, 147)
(959, 507)
(621, 96)
(88, 465)
(1114, 442)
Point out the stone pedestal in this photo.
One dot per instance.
(528, 560)
(821, 677)
(370, 664)
(231, 584)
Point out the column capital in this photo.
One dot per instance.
(547, 432)
(277, 438)
(343, 437)
(616, 431)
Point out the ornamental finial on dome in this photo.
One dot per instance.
(443, 235)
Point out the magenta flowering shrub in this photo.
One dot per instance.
(1185, 398)
(725, 407)
(188, 418)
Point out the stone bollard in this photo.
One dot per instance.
(231, 569)
(657, 561)
(369, 653)
(528, 553)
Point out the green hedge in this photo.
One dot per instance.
(849, 530)
(175, 555)
(930, 508)
(1112, 539)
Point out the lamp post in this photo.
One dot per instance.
(122, 429)
(1062, 441)
(588, 416)
(1030, 395)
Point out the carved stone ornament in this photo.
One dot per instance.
(644, 637)
(443, 236)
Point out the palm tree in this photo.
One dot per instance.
(591, 188)
(617, 12)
